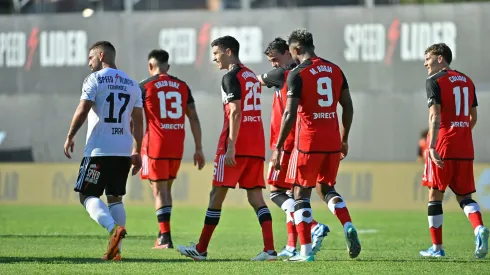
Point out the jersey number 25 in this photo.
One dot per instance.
(175, 110)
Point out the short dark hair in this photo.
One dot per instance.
(227, 42)
(104, 45)
(441, 49)
(278, 44)
(161, 56)
(301, 36)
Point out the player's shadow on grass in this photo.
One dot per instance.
(72, 260)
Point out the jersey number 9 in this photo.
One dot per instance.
(324, 87)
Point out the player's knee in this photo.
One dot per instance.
(280, 198)
(114, 199)
(255, 198)
(302, 211)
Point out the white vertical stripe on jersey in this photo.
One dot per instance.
(83, 171)
(292, 165)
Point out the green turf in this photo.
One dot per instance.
(64, 240)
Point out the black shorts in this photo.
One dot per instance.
(99, 174)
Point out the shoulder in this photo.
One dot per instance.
(182, 82)
(233, 73)
(143, 82)
(435, 77)
(91, 78)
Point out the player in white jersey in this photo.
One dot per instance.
(111, 100)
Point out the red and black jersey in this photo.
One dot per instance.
(318, 84)
(455, 92)
(240, 83)
(277, 78)
(165, 100)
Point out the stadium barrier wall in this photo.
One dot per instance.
(43, 61)
(376, 186)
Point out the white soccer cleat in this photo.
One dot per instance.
(191, 252)
(299, 258)
(264, 256)
(318, 233)
(482, 243)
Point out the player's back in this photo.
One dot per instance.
(242, 84)
(115, 95)
(457, 96)
(317, 124)
(165, 101)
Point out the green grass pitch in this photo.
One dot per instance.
(64, 240)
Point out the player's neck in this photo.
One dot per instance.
(234, 62)
(107, 65)
(307, 56)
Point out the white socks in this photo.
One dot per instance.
(99, 212)
(306, 249)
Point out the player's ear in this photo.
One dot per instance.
(228, 52)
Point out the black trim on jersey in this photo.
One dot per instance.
(231, 85)
(143, 83)
(274, 78)
(462, 159)
(247, 156)
(294, 81)
(169, 178)
(433, 89)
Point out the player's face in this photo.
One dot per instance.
(433, 63)
(293, 49)
(220, 57)
(95, 60)
(277, 59)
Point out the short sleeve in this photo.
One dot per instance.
(295, 84)
(139, 98)
(143, 90)
(475, 100)
(89, 88)
(190, 98)
(345, 84)
(231, 87)
(433, 92)
(274, 78)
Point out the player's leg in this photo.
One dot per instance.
(436, 181)
(303, 171)
(336, 204)
(252, 179)
(161, 175)
(162, 193)
(463, 186)
(224, 177)
(281, 195)
(115, 190)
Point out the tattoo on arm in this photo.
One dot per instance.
(434, 124)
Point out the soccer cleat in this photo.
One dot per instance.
(432, 253)
(481, 243)
(319, 232)
(159, 244)
(265, 256)
(353, 243)
(299, 258)
(115, 238)
(287, 253)
(191, 252)
(116, 258)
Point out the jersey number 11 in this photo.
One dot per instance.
(457, 100)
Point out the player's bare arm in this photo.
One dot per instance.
(345, 101)
(235, 119)
(288, 120)
(473, 117)
(78, 120)
(137, 118)
(195, 124)
(434, 124)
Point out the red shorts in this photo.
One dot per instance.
(159, 169)
(248, 173)
(308, 169)
(457, 174)
(278, 178)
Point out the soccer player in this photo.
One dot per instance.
(241, 149)
(167, 100)
(111, 100)
(315, 87)
(277, 53)
(452, 104)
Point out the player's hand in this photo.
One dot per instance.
(436, 159)
(344, 150)
(230, 157)
(136, 162)
(199, 159)
(69, 145)
(276, 159)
